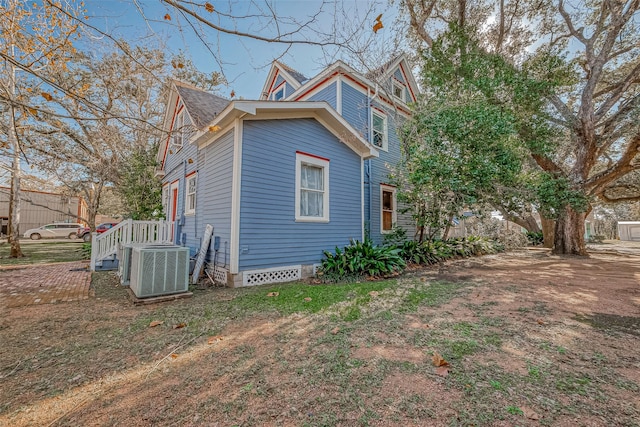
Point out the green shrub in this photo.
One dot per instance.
(431, 252)
(396, 237)
(362, 258)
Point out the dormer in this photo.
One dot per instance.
(396, 79)
(281, 82)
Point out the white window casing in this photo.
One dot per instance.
(165, 200)
(178, 130)
(388, 211)
(399, 91)
(279, 94)
(379, 131)
(190, 202)
(312, 188)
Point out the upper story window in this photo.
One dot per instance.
(387, 208)
(398, 91)
(279, 94)
(312, 188)
(178, 130)
(379, 130)
(190, 205)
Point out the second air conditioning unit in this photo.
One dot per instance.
(123, 253)
(157, 271)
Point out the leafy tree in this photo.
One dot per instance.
(138, 187)
(591, 54)
(456, 153)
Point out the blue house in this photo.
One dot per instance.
(301, 170)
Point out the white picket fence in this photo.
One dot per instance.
(128, 231)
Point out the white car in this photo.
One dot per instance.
(52, 231)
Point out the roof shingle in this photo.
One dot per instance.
(202, 106)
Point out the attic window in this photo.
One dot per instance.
(178, 130)
(398, 91)
(279, 94)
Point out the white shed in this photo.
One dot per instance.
(629, 230)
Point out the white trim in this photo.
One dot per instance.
(321, 163)
(178, 131)
(385, 130)
(395, 84)
(235, 197)
(283, 89)
(339, 94)
(394, 215)
(339, 66)
(317, 90)
(320, 110)
(187, 210)
(166, 200)
(216, 135)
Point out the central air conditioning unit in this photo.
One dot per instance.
(159, 271)
(123, 253)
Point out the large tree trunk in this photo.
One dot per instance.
(569, 233)
(548, 230)
(14, 198)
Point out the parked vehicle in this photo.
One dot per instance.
(85, 232)
(52, 231)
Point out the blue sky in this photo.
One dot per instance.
(243, 61)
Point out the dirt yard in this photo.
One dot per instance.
(523, 338)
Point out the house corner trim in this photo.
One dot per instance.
(235, 197)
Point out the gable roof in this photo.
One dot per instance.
(202, 106)
(381, 71)
(291, 76)
(300, 78)
(328, 74)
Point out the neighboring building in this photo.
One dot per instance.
(629, 230)
(39, 208)
(281, 179)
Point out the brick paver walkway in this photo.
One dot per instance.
(44, 284)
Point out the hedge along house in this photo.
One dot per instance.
(283, 178)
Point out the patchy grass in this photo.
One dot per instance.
(351, 354)
(43, 253)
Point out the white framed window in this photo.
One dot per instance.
(398, 91)
(178, 130)
(190, 203)
(312, 188)
(279, 94)
(379, 130)
(388, 215)
(165, 200)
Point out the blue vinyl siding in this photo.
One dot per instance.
(213, 198)
(398, 75)
(355, 108)
(288, 89)
(380, 168)
(327, 94)
(176, 167)
(356, 111)
(269, 234)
